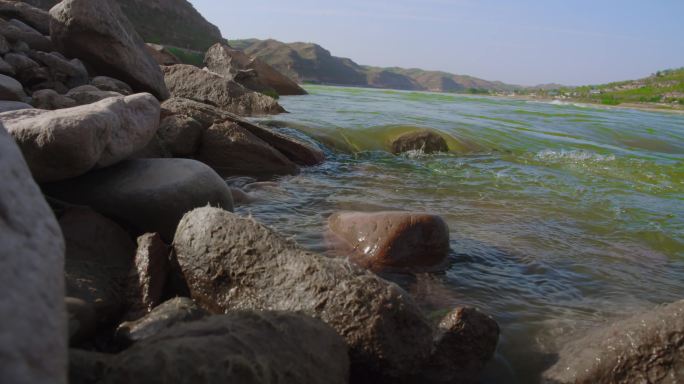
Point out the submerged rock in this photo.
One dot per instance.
(235, 263)
(81, 28)
(34, 321)
(388, 239)
(424, 141)
(646, 348)
(240, 347)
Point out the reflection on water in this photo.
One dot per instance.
(561, 216)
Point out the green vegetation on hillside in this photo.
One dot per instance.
(187, 56)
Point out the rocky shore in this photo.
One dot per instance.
(122, 261)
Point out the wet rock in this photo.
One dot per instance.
(235, 263)
(232, 150)
(49, 99)
(71, 73)
(389, 239)
(34, 341)
(87, 367)
(82, 320)
(35, 17)
(99, 254)
(10, 89)
(172, 312)
(69, 142)
(230, 62)
(425, 141)
(466, 340)
(6, 106)
(105, 83)
(16, 31)
(207, 87)
(162, 55)
(241, 347)
(88, 94)
(181, 135)
(297, 151)
(646, 348)
(150, 195)
(147, 278)
(81, 28)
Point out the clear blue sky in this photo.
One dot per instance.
(517, 41)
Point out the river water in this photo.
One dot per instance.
(562, 216)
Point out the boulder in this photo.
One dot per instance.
(175, 311)
(382, 240)
(424, 141)
(207, 87)
(240, 347)
(99, 254)
(81, 28)
(147, 277)
(233, 151)
(66, 143)
(71, 73)
(150, 195)
(7, 106)
(20, 62)
(88, 94)
(49, 99)
(106, 83)
(87, 367)
(229, 62)
(35, 17)
(15, 31)
(232, 263)
(181, 135)
(6, 68)
(162, 55)
(645, 348)
(34, 321)
(82, 320)
(10, 89)
(297, 151)
(155, 149)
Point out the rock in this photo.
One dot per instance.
(240, 347)
(20, 62)
(35, 17)
(6, 68)
(425, 141)
(235, 263)
(228, 62)
(155, 149)
(105, 83)
(82, 320)
(645, 348)
(6, 106)
(162, 55)
(34, 341)
(233, 151)
(4, 45)
(466, 340)
(69, 142)
(10, 89)
(389, 239)
(295, 150)
(147, 278)
(87, 367)
(80, 28)
(98, 258)
(31, 78)
(15, 31)
(150, 195)
(241, 197)
(72, 73)
(207, 87)
(88, 94)
(181, 135)
(49, 99)
(172, 312)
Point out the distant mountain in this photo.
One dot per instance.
(308, 62)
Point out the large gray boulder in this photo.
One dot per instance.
(232, 263)
(83, 28)
(646, 348)
(233, 151)
(66, 143)
(34, 321)
(207, 87)
(149, 195)
(240, 347)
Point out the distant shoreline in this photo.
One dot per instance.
(647, 107)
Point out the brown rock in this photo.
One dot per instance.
(389, 239)
(147, 277)
(49, 99)
(181, 135)
(81, 28)
(425, 141)
(106, 83)
(232, 150)
(88, 94)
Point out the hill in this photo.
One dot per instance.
(308, 62)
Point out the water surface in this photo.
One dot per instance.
(561, 216)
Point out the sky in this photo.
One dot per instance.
(526, 42)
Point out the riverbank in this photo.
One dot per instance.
(648, 107)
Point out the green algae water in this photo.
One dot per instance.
(562, 217)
